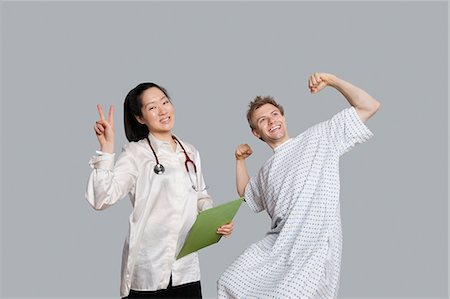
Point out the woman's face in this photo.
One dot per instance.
(157, 112)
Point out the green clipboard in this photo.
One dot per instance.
(203, 232)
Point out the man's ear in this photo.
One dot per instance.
(140, 119)
(256, 134)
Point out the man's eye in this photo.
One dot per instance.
(151, 108)
(165, 102)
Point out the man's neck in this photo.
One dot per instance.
(277, 143)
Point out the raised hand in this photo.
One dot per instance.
(243, 151)
(318, 81)
(104, 129)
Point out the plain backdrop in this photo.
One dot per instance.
(59, 59)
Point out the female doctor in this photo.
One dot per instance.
(162, 175)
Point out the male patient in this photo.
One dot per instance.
(298, 186)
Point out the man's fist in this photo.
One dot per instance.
(243, 151)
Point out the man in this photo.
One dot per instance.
(298, 186)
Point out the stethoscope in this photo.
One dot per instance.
(159, 168)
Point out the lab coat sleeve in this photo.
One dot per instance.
(109, 182)
(204, 201)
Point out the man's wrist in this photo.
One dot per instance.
(331, 80)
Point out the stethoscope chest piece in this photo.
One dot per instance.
(159, 169)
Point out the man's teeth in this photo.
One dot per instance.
(274, 128)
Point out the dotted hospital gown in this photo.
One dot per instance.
(298, 186)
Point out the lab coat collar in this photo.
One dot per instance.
(159, 145)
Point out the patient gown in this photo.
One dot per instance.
(298, 186)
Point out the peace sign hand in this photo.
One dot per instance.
(104, 129)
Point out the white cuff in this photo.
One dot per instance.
(102, 161)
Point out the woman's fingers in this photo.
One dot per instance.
(111, 116)
(226, 229)
(104, 129)
(100, 112)
(102, 124)
(97, 130)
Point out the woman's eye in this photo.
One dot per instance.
(151, 108)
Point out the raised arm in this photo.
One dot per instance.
(243, 151)
(109, 181)
(365, 105)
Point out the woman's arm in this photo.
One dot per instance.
(108, 182)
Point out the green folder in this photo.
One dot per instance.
(203, 232)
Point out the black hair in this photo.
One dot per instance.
(132, 106)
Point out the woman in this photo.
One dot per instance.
(164, 180)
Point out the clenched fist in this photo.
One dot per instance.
(319, 81)
(243, 151)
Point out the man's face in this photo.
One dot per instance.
(269, 125)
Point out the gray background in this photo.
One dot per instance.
(61, 58)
